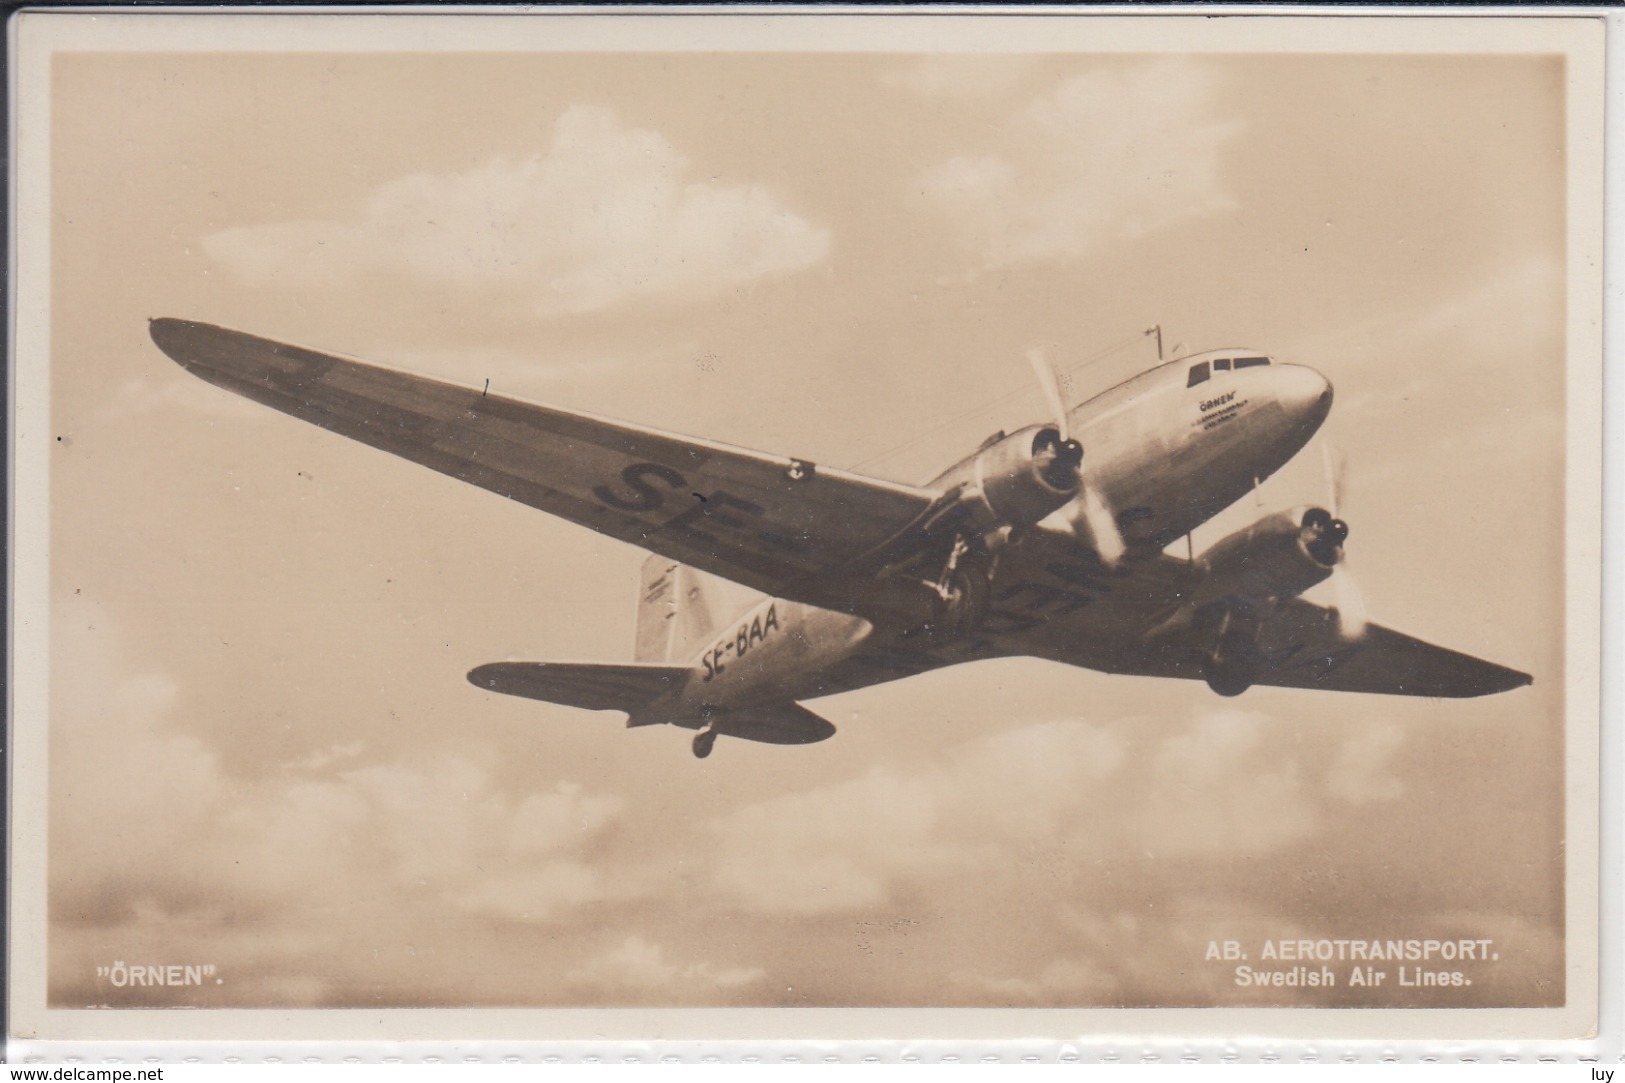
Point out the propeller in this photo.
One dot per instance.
(1097, 520)
(1049, 380)
(1093, 522)
(1350, 602)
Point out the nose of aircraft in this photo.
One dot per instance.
(1303, 393)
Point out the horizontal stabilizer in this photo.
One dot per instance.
(771, 724)
(593, 686)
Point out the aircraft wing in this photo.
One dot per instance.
(772, 523)
(1303, 649)
(1053, 604)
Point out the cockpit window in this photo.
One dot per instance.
(1199, 373)
(1222, 365)
(1249, 362)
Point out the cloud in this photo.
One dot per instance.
(123, 786)
(848, 845)
(147, 821)
(1220, 786)
(1362, 772)
(1067, 862)
(1062, 863)
(1061, 981)
(452, 832)
(640, 965)
(1119, 152)
(606, 214)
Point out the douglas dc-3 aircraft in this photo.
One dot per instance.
(1025, 547)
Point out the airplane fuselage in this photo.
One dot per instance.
(775, 646)
(1173, 447)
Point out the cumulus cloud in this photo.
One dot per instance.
(845, 846)
(1061, 863)
(123, 785)
(1216, 787)
(637, 964)
(146, 819)
(1121, 151)
(1062, 980)
(1362, 773)
(605, 214)
(1221, 788)
(1068, 862)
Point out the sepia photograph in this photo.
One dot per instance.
(533, 513)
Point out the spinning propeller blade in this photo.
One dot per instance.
(1350, 601)
(1096, 520)
(1333, 462)
(1092, 521)
(1050, 381)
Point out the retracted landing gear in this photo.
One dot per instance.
(703, 741)
(1234, 661)
(1233, 665)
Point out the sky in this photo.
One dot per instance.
(264, 755)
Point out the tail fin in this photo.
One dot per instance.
(679, 610)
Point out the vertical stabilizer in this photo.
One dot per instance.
(657, 609)
(678, 610)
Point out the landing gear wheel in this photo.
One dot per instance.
(966, 604)
(1234, 664)
(703, 742)
(959, 595)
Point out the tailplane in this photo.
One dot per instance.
(784, 723)
(638, 688)
(593, 686)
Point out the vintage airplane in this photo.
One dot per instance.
(1024, 548)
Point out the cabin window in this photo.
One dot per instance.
(1222, 366)
(1199, 373)
(1249, 362)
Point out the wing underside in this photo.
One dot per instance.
(777, 524)
(1303, 648)
(1052, 603)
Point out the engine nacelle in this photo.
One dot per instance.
(1012, 482)
(1280, 556)
(1016, 480)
